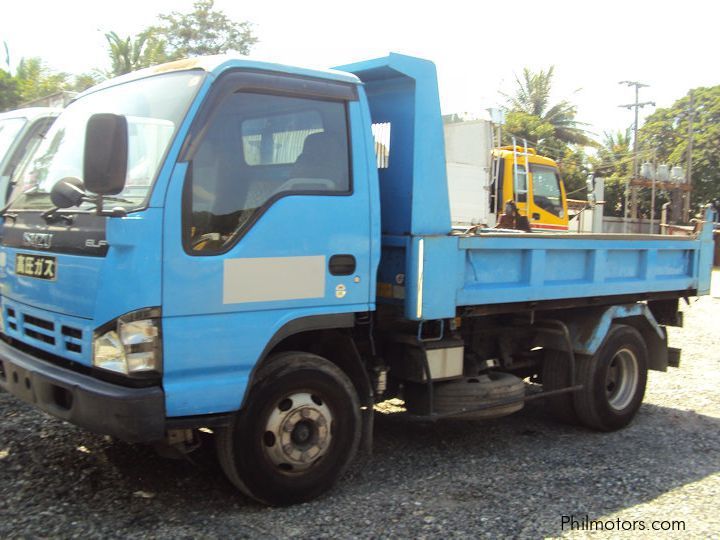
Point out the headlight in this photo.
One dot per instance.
(131, 345)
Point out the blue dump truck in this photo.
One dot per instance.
(212, 243)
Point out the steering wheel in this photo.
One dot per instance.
(204, 238)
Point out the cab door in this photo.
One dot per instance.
(267, 231)
(547, 209)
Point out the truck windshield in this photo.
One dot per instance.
(154, 108)
(546, 189)
(9, 128)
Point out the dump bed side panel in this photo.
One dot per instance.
(431, 276)
(503, 270)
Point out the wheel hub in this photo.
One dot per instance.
(297, 432)
(621, 379)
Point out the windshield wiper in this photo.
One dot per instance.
(52, 216)
(4, 212)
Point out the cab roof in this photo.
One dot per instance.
(532, 156)
(217, 64)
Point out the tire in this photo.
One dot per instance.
(476, 391)
(298, 433)
(613, 380)
(556, 375)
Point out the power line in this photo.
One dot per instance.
(637, 106)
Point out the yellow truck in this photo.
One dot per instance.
(483, 180)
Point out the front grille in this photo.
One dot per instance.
(38, 330)
(39, 336)
(46, 325)
(11, 319)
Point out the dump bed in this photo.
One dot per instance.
(432, 272)
(434, 275)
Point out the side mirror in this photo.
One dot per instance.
(67, 192)
(106, 153)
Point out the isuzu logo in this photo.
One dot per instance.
(37, 240)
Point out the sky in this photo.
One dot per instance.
(478, 47)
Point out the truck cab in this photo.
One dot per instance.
(533, 183)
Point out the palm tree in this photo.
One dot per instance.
(613, 162)
(124, 53)
(614, 157)
(130, 54)
(532, 97)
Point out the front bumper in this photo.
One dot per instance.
(130, 414)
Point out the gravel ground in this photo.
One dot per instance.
(509, 477)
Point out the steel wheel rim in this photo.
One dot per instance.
(621, 379)
(297, 433)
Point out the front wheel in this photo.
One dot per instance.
(613, 380)
(298, 433)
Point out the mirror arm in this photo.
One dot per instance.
(100, 211)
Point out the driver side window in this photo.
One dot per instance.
(255, 149)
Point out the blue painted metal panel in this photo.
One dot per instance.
(97, 288)
(704, 257)
(498, 268)
(209, 358)
(403, 91)
(364, 166)
(588, 333)
(567, 265)
(211, 346)
(73, 292)
(88, 291)
(518, 269)
(131, 275)
(62, 335)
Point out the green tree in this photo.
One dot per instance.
(133, 53)
(613, 162)
(9, 94)
(35, 79)
(535, 130)
(84, 81)
(666, 132)
(574, 169)
(204, 30)
(532, 98)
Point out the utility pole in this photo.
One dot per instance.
(691, 120)
(637, 106)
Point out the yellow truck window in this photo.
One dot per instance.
(546, 189)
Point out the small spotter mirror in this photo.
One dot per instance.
(67, 192)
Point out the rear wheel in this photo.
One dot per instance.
(556, 375)
(613, 380)
(298, 433)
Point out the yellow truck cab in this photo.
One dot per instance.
(534, 184)
(482, 179)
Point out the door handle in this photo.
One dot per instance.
(342, 265)
(536, 215)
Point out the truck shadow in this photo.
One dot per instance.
(470, 471)
(555, 469)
